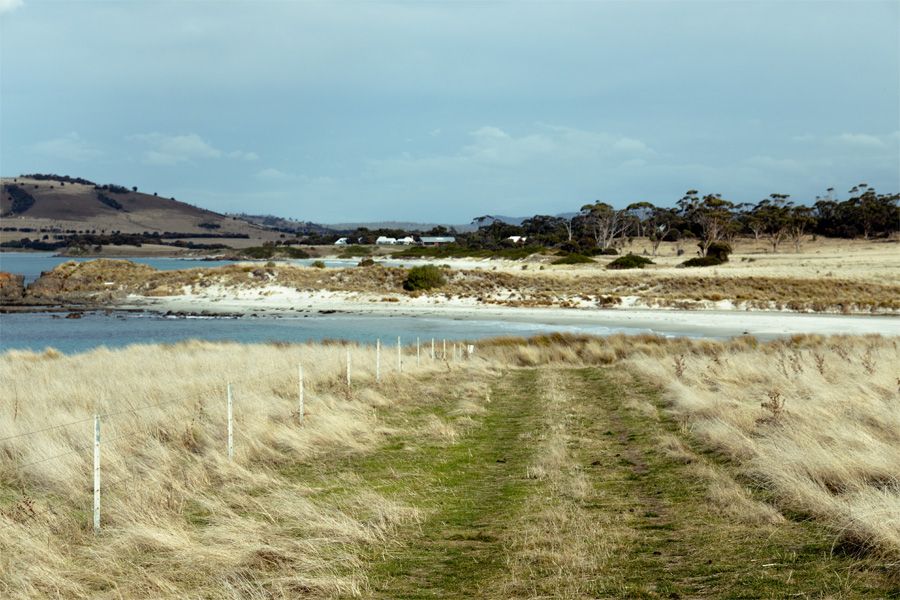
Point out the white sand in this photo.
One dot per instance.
(721, 320)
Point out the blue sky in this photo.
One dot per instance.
(442, 111)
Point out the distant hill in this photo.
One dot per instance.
(402, 225)
(285, 225)
(67, 203)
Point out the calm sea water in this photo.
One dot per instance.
(37, 331)
(32, 264)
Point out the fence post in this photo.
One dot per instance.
(444, 352)
(300, 409)
(96, 473)
(378, 359)
(399, 356)
(418, 353)
(230, 424)
(348, 367)
(432, 348)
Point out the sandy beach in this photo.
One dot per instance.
(718, 319)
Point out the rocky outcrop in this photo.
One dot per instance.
(12, 288)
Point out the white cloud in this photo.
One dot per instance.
(492, 148)
(271, 174)
(167, 150)
(9, 5)
(67, 147)
(862, 140)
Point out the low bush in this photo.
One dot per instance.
(425, 277)
(629, 261)
(603, 252)
(366, 262)
(318, 264)
(702, 261)
(573, 259)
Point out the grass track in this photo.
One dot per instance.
(642, 527)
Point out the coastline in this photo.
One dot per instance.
(717, 321)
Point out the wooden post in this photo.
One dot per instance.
(230, 424)
(300, 408)
(418, 353)
(432, 348)
(399, 356)
(348, 367)
(378, 359)
(96, 473)
(444, 352)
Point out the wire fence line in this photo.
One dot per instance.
(27, 506)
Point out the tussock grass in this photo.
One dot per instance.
(178, 518)
(813, 422)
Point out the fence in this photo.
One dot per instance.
(229, 393)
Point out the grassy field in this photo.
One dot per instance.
(565, 467)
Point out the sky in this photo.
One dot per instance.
(443, 111)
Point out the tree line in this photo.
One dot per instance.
(706, 218)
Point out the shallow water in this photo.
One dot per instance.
(37, 331)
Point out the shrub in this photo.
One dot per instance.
(629, 261)
(719, 250)
(603, 252)
(318, 264)
(573, 259)
(425, 277)
(366, 262)
(702, 261)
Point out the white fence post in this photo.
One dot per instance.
(418, 353)
(96, 473)
(399, 356)
(378, 359)
(300, 409)
(230, 424)
(348, 367)
(444, 352)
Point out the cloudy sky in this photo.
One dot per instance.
(441, 111)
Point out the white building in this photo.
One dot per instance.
(341, 242)
(385, 241)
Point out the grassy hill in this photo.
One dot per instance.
(62, 203)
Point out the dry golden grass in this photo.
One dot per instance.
(180, 519)
(558, 548)
(816, 424)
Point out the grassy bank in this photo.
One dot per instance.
(565, 467)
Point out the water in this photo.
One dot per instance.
(32, 264)
(37, 331)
